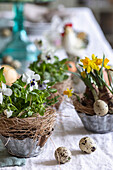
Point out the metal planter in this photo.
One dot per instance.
(97, 124)
(22, 148)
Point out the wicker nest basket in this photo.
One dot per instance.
(91, 121)
(61, 87)
(25, 137)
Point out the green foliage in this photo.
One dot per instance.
(25, 103)
(56, 72)
(2, 78)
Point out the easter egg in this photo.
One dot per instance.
(62, 155)
(10, 74)
(71, 66)
(87, 145)
(100, 108)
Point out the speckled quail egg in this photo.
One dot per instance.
(7, 59)
(100, 108)
(62, 155)
(6, 32)
(87, 145)
(16, 64)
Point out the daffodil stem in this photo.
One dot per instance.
(94, 94)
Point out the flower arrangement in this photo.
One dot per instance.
(97, 101)
(49, 67)
(26, 96)
(26, 117)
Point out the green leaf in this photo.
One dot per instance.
(19, 82)
(30, 113)
(11, 107)
(31, 96)
(76, 74)
(17, 92)
(43, 67)
(106, 85)
(42, 110)
(52, 90)
(63, 61)
(101, 70)
(46, 94)
(50, 83)
(2, 78)
(66, 77)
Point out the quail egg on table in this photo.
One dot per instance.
(87, 145)
(100, 108)
(6, 32)
(62, 155)
(16, 64)
(7, 59)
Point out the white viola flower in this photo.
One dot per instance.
(43, 86)
(31, 78)
(4, 91)
(33, 85)
(8, 113)
(48, 56)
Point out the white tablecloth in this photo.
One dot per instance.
(69, 129)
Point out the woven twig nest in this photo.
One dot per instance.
(91, 121)
(28, 127)
(27, 134)
(87, 109)
(61, 87)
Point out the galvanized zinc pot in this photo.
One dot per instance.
(27, 137)
(97, 124)
(22, 148)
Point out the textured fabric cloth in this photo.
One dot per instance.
(7, 160)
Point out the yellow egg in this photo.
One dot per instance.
(10, 74)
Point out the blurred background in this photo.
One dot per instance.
(102, 9)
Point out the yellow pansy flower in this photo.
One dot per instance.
(83, 74)
(105, 63)
(68, 92)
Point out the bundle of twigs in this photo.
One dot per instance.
(61, 87)
(36, 127)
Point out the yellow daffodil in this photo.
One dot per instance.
(96, 60)
(83, 74)
(85, 61)
(93, 64)
(68, 92)
(93, 57)
(105, 63)
(86, 64)
(89, 64)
